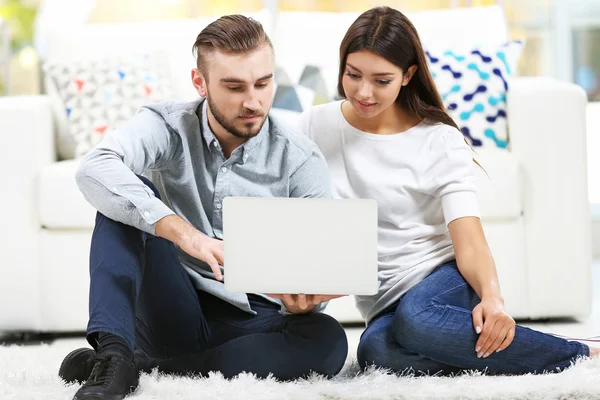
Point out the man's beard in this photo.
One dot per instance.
(246, 133)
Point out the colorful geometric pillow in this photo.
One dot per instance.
(98, 95)
(473, 85)
(298, 96)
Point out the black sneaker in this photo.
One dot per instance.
(77, 365)
(112, 378)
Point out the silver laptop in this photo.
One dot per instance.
(293, 245)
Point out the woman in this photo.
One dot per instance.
(439, 307)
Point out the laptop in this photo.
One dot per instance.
(300, 245)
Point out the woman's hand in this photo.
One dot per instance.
(497, 328)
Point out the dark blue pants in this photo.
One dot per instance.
(430, 330)
(140, 291)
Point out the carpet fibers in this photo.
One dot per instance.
(30, 373)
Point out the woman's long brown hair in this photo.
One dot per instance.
(390, 34)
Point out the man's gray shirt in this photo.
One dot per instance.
(172, 144)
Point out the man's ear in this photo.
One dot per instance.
(200, 82)
(409, 74)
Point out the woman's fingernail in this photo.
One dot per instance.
(478, 355)
(478, 329)
(486, 355)
(477, 349)
(498, 351)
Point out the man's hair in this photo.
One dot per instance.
(232, 34)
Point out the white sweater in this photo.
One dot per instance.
(422, 179)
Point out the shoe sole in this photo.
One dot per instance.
(106, 397)
(111, 397)
(72, 355)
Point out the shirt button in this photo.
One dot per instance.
(146, 213)
(223, 169)
(219, 206)
(216, 143)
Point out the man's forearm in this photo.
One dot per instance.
(173, 228)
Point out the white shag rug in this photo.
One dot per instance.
(30, 373)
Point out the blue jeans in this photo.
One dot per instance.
(430, 331)
(140, 291)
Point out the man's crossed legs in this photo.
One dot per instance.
(142, 298)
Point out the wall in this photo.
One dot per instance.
(593, 146)
(596, 238)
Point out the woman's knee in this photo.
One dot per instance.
(374, 350)
(415, 322)
(383, 351)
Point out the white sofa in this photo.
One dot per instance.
(534, 205)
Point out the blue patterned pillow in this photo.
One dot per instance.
(473, 85)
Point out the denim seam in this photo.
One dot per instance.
(436, 298)
(443, 306)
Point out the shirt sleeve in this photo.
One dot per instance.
(311, 179)
(107, 174)
(451, 175)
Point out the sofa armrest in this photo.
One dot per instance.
(547, 131)
(26, 125)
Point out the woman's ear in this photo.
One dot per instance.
(409, 74)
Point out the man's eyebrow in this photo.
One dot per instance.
(377, 74)
(232, 80)
(264, 78)
(238, 80)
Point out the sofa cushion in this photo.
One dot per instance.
(310, 89)
(97, 95)
(499, 184)
(473, 84)
(62, 206)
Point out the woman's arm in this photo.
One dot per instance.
(476, 264)
(474, 257)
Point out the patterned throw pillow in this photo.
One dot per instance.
(310, 90)
(98, 95)
(473, 85)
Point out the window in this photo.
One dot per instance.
(582, 23)
(586, 59)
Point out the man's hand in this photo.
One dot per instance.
(303, 303)
(193, 242)
(497, 328)
(205, 248)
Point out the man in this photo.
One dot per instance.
(157, 255)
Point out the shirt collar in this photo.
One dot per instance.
(211, 139)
